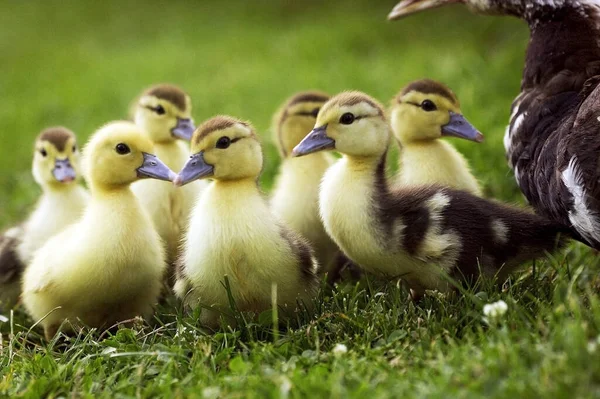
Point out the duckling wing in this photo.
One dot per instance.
(11, 266)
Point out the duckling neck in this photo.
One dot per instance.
(437, 155)
(239, 187)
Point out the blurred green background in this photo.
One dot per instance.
(80, 64)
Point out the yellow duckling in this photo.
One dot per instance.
(56, 169)
(108, 266)
(417, 233)
(233, 233)
(164, 114)
(296, 194)
(422, 113)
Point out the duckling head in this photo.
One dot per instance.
(490, 7)
(427, 110)
(56, 161)
(164, 113)
(296, 118)
(352, 123)
(223, 148)
(118, 154)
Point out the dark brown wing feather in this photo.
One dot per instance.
(554, 122)
(11, 266)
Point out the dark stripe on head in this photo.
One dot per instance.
(351, 98)
(170, 93)
(308, 97)
(220, 122)
(428, 86)
(57, 136)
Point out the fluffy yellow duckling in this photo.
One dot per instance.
(108, 266)
(233, 232)
(164, 113)
(56, 169)
(422, 113)
(417, 233)
(296, 194)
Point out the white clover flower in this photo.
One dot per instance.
(493, 311)
(3, 319)
(339, 349)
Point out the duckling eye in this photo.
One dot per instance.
(315, 112)
(223, 142)
(428, 105)
(44, 152)
(122, 149)
(160, 110)
(347, 118)
(74, 148)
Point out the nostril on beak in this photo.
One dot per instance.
(153, 163)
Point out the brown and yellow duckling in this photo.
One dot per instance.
(417, 233)
(233, 233)
(421, 114)
(56, 169)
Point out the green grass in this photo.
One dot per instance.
(81, 63)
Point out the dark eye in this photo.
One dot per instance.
(223, 142)
(74, 148)
(315, 112)
(159, 110)
(428, 105)
(43, 152)
(122, 149)
(347, 118)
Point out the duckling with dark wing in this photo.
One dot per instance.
(108, 266)
(56, 169)
(552, 142)
(422, 113)
(416, 233)
(233, 233)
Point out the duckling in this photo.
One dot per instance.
(234, 234)
(56, 169)
(422, 113)
(296, 194)
(108, 266)
(419, 233)
(164, 113)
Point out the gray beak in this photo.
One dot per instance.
(63, 171)
(195, 168)
(154, 168)
(184, 129)
(316, 140)
(407, 7)
(461, 128)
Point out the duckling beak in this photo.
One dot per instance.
(461, 128)
(195, 168)
(184, 129)
(154, 168)
(407, 7)
(63, 171)
(316, 140)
